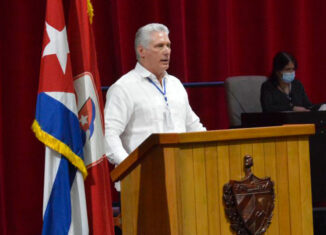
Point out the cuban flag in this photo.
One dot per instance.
(69, 121)
(57, 126)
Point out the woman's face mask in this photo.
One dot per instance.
(288, 77)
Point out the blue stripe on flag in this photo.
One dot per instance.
(57, 216)
(58, 121)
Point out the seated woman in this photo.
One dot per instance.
(282, 92)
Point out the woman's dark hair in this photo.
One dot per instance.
(280, 60)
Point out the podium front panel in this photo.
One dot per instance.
(178, 188)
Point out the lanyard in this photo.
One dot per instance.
(168, 122)
(162, 92)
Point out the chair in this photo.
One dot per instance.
(243, 96)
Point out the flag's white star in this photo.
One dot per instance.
(58, 45)
(83, 120)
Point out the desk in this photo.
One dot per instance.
(317, 143)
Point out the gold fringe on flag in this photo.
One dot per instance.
(60, 147)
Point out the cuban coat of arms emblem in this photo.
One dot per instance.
(249, 203)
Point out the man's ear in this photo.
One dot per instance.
(141, 51)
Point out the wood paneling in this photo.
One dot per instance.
(282, 185)
(259, 158)
(224, 172)
(185, 165)
(177, 188)
(212, 183)
(200, 184)
(270, 171)
(294, 186)
(172, 190)
(305, 186)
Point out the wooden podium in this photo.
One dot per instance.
(173, 183)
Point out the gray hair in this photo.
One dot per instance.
(143, 35)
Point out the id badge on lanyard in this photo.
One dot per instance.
(167, 116)
(168, 123)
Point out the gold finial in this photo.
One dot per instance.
(90, 11)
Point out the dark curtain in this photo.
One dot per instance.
(211, 40)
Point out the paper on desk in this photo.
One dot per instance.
(322, 107)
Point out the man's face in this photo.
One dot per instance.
(156, 57)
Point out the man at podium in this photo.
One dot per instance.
(147, 99)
